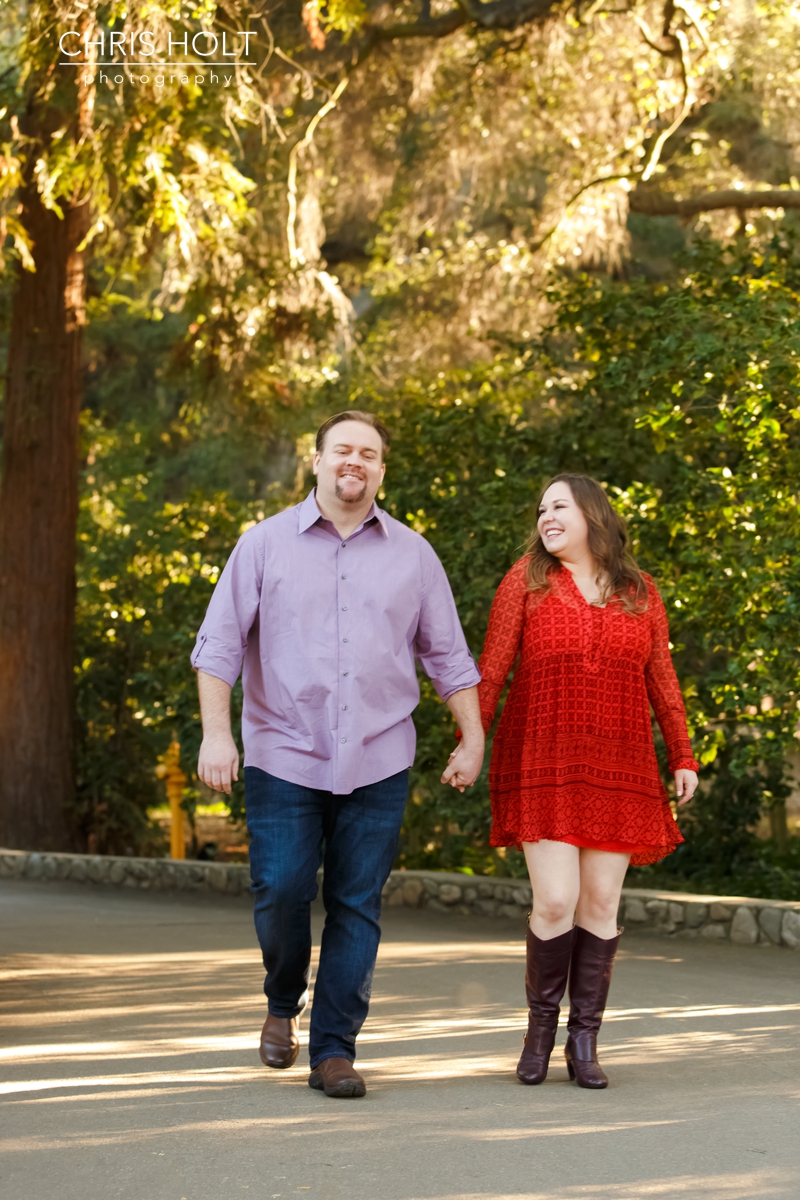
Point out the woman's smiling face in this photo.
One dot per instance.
(562, 525)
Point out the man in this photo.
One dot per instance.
(328, 604)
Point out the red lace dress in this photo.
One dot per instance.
(573, 758)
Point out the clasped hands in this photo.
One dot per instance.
(464, 764)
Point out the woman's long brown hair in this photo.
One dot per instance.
(608, 545)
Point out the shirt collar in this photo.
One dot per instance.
(310, 514)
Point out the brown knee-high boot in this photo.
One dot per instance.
(589, 981)
(545, 984)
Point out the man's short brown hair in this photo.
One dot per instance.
(354, 414)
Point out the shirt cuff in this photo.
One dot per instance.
(684, 764)
(213, 664)
(468, 678)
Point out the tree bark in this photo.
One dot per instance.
(38, 525)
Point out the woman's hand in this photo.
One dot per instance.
(685, 785)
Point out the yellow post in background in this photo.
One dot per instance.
(176, 780)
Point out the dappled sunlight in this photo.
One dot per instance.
(715, 1187)
(134, 1055)
(433, 954)
(28, 966)
(557, 1130)
(170, 999)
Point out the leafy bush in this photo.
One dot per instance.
(681, 396)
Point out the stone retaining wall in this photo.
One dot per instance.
(745, 921)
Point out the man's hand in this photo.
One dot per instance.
(467, 759)
(218, 763)
(685, 785)
(465, 765)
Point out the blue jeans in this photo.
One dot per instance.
(288, 825)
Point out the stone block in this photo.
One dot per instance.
(396, 898)
(97, 869)
(790, 929)
(49, 867)
(714, 932)
(33, 867)
(117, 873)
(217, 877)
(486, 891)
(11, 866)
(431, 887)
(696, 915)
(503, 894)
(744, 927)
(470, 895)
(63, 865)
(719, 912)
(659, 909)
(486, 908)
(412, 892)
(770, 921)
(437, 905)
(78, 871)
(523, 896)
(449, 893)
(676, 913)
(510, 910)
(635, 910)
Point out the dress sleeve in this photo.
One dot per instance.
(664, 691)
(503, 638)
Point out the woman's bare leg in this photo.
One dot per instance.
(555, 871)
(602, 874)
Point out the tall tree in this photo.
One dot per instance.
(144, 168)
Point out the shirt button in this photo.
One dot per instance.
(344, 577)
(344, 544)
(342, 739)
(344, 608)
(345, 639)
(347, 672)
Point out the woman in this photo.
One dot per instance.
(574, 777)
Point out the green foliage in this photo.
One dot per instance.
(682, 398)
(155, 530)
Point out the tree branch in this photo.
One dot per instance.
(657, 204)
(485, 14)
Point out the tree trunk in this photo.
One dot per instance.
(779, 826)
(38, 520)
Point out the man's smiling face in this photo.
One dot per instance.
(350, 466)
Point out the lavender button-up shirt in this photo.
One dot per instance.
(329, 631)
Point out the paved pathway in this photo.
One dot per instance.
(128, 1026)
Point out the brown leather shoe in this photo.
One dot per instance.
(280, 1044)
(337, 1077)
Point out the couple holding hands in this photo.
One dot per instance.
(325, 609)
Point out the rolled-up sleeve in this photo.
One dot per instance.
(440, 643)
(222, 638)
